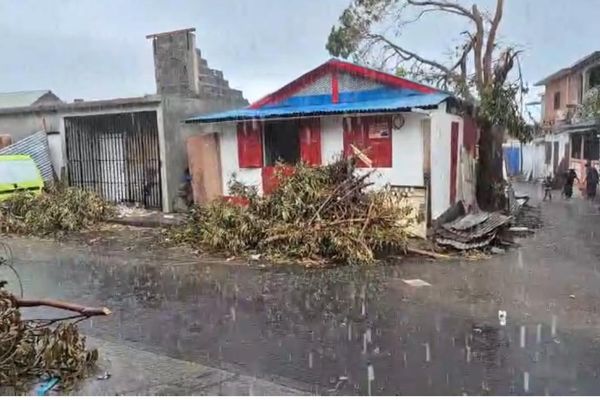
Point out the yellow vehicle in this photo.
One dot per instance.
(17, 173)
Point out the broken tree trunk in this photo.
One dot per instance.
(490, 180)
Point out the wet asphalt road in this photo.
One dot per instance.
(321, 330)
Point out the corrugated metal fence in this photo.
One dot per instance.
(37, 147)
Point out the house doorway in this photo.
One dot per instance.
(282, 143)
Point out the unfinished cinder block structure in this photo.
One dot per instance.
(131, 149)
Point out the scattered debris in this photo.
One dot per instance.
(529, 217)
(416, 282)
(314, 215)
(32, 349)
(46, 386)
(490, 232)
(105, 376)
(502, 317)
(520, 229)
(428, 253)
(497, 250)
(57, 210)
(471, 231)
(123, 211)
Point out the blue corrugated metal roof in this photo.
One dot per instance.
(402, 102)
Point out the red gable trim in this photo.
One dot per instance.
(335, 88)
(292, 87)
(381, 77)
(333, 66)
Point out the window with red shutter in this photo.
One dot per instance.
(372, 136)
(354, 140)
(249, 138)
(310, 141)
(379, 138)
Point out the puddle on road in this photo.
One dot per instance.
(341, 331)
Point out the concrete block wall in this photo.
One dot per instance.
(211, 82)
(181, 70)
(175, 62)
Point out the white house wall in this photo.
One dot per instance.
(229, 161)
(407, 156)
(534, 155)
(407, 160)
(441, 125)
(332, 138)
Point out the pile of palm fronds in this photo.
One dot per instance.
(33, 351)
(56, 210)
(317, 215)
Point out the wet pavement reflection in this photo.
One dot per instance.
(347, 330)
(332, 330)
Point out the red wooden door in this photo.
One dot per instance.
(453, 161)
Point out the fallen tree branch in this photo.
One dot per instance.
(83, 310)
(428, 253)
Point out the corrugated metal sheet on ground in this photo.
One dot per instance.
(468, 221)
(466, 246)
(489, 225)
(37, 147)
(400, 103)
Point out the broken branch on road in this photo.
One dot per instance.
(32, 350)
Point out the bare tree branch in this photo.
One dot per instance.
(491, 41)
(478, 48)
(408, 55)
(444, 6)
(82, 310)
(504, 65)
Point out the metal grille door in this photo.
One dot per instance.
(116, 155)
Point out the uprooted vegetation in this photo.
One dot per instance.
(32, 351)
(314, 216)
(56, 210)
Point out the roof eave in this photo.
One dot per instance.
(307, 115)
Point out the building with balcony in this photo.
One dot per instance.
(571, 131)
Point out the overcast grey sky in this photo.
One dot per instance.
(97, 48)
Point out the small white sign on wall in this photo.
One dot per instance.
(380, 130)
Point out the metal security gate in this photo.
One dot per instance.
(116, 155)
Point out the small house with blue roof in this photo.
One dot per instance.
(413, 135)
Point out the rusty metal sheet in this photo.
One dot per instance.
(471, 231)
(467, 222)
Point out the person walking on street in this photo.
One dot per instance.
(547, 184)
(570, 178)
(591, 180)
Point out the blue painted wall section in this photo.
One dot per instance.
(512, 157)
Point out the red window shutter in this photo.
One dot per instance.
(249, 138)
(354, 134)
(371, 135)
(379, 136)
(310, 141)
